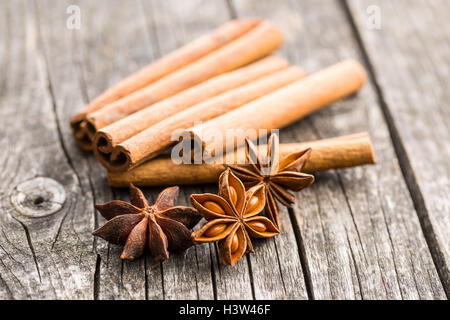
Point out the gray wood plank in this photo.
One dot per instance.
(356, 231)
(50, 256)
(94, 51)
(114, 43)
(187, 275)
(276, 268)
(359, 229)
(81, 64)
(254, 278)
(410, 58)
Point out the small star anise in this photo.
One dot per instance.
(232, 218)
(277, 177)
(161, 227)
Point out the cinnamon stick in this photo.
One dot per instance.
(280, 108)
(155, 139)
(256, 43)
(334, 153)
(108, 137)
(162, 67)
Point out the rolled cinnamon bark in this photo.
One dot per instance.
(254, 44)
(280, 108)
(334, 153)
(108, 137)
(160, 68)
(155, 139)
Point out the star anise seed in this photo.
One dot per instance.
(277, 177)
(161, 227)
(232, 218)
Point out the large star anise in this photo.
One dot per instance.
(232, 218)
(276, 177)
(162, 227)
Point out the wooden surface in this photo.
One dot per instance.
(375, 232)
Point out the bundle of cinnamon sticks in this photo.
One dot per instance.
(223, 81)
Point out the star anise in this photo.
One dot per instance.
(276, 177)
(136, 225)
(232, 218)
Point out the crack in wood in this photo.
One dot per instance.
(213, 272)
(30, 245)
(279, 264)
(302, 254)
(97, 277)
(250, 275)
(145, 278)
(352, 254)
(60, 224)
(162, 280)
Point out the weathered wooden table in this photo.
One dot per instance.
(375, 232)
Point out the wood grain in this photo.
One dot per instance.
(362, 233)
(186, 275)
(51, 256)
(229, 283)
(76, 76)
(356, 225)
(412, 85)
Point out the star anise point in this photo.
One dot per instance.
(232, 218)
(138, 225)
(275, 175)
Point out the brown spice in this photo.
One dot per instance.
(108, 137)
(160, 227)
(158, 69)
(334, 153)
(277, 176)
(154, 140)
(251, 44)
(292, 102)
(232, 218)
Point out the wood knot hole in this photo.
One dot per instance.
(38, 200)
(38, 197)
